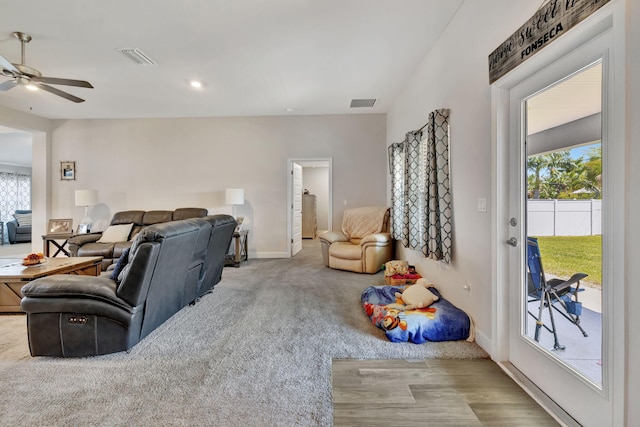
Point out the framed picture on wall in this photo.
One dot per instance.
(67, 171)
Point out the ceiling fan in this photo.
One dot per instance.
(21, 74)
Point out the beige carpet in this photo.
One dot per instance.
(255, 352)
(17, 250)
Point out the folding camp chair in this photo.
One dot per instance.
(550, 293)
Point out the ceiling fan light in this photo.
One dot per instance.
(31, 86)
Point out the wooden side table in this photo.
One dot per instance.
(239, 243)
(48, 239)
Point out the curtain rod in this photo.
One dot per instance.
(424, 126)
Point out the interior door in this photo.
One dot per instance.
(296, 208)
(586, 399)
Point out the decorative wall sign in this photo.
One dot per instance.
(67, 171)
(552, 20)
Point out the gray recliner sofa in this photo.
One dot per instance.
(168, 266)
(89, 244)
(19, 233)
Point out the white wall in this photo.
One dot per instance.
(15, 149)
(454, 75)
(168, 163)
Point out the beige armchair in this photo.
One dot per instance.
(364, 243)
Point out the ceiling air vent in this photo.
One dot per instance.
(359, 103)
(137, 56)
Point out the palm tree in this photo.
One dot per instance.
(593, 170)
(558, 163)
(535, 164)
(557, 175)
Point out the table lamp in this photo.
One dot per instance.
(234, 196)
(86, 198)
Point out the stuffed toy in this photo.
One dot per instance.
(417, 295)
(395, 267)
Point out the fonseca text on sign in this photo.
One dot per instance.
(551, 21)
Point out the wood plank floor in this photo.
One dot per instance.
(433, 392)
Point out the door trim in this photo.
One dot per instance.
(610, 17)
(302, 161)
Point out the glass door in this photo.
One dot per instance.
(557, 234)
(563, 217)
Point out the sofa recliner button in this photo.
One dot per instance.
(80, 320)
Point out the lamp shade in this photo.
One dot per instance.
(86, 197)
(234, 196)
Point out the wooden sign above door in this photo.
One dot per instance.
(551, 21)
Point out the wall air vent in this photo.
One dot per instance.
(137, 56)
(359, 103)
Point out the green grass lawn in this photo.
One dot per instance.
(566, 255)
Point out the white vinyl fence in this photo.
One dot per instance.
(552, 217)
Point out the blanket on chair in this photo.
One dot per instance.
(441, 321)
(360, 222)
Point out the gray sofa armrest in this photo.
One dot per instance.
(11, 230)
(76, 241)
(66, 286)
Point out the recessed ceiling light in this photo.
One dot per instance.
(195, 83)
(288, 109)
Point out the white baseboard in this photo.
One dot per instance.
(483, 341)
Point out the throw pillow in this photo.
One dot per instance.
(24, 220)
(417, 296)
(116, 233)
(122, 262)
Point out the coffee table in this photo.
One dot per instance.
(14, 275)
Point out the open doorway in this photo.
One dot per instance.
(309, 180)
(15, 186)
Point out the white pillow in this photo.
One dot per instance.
(24, 220)
(116, 233)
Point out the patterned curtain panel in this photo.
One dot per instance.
(438, 235)
(413, 218)
(420, 195)
(15, 193)
(396, 168)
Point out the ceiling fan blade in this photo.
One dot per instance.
(9, 84)
(66, 82)
(58, 92)
(7, 65)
